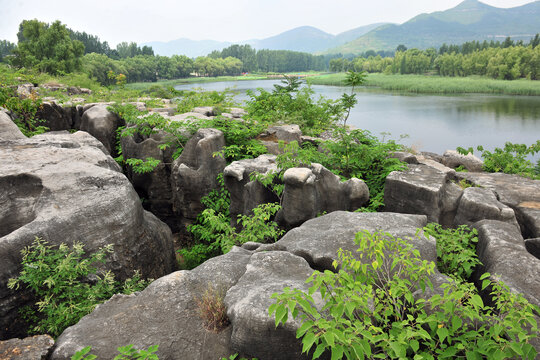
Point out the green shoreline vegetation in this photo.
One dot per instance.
(433, 84)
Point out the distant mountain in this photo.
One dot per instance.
(470, 20)
(190, 48)
(305, 38)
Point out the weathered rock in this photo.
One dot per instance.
(519, 193)
(204, 110)
(405, 157)
(101, 124)
(8, 129)
(30, 348)
(478, 204)
(165, 111)
(163, 314)
(237, 113)
(55, 117)
(533, 247)
(194, 172)
(247, 194)
(312, 191)
(502, 252)
(155, 186)
(286, 133)
(254, 332)
(453, 159)
(421, 189)
(64, 189)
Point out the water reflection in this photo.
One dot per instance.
(433, 122)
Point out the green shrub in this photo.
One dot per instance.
(59, 280)
(127, 352)
(512, 159)
(456, 250)
(220, 100)
(24, 110)
(294, 105)
(370, 310)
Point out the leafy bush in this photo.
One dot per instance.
(220, 100)
(512, 159)
(370, 310)
(127, 352)
(24, 110)
(456, 250)
(292, 104)
(214, 234)
(66, 284)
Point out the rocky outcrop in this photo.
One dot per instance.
(313, 191)
(194, 173)
(64, 188)
(30, 348)
(8, 129)
(455, 198)
(164, 314)
(271, 137)
(453, 159)
(56, 117)
(154, 187)
(101, 124)
(253, 331)
(521, 194)
(247, 194)
(167, 309)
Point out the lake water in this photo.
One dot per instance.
(432, 122)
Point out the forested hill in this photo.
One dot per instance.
(470, 20)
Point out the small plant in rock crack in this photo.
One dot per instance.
(456, 249)
(127, 352)
(211, 308)
(66, 284)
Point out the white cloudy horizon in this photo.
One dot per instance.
(140, 21)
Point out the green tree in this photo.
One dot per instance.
(47, 47)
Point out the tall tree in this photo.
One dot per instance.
(47, 47)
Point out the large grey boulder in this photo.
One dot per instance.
(30, 348)
(8, 129)
(312, 191)
(163, 314)
(517, 192)
(453, 159)
(422, 189)
(194, 173)
(502, 251)
(101, 124)
(63, 188)
(253, 331)
(480, 203)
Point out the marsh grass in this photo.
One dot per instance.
(437, 84)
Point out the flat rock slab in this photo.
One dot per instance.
(163, 314)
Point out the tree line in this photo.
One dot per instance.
(56, 49)
(506, 60)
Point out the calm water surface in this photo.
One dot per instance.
(432, 122)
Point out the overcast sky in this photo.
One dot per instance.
(224, 20)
